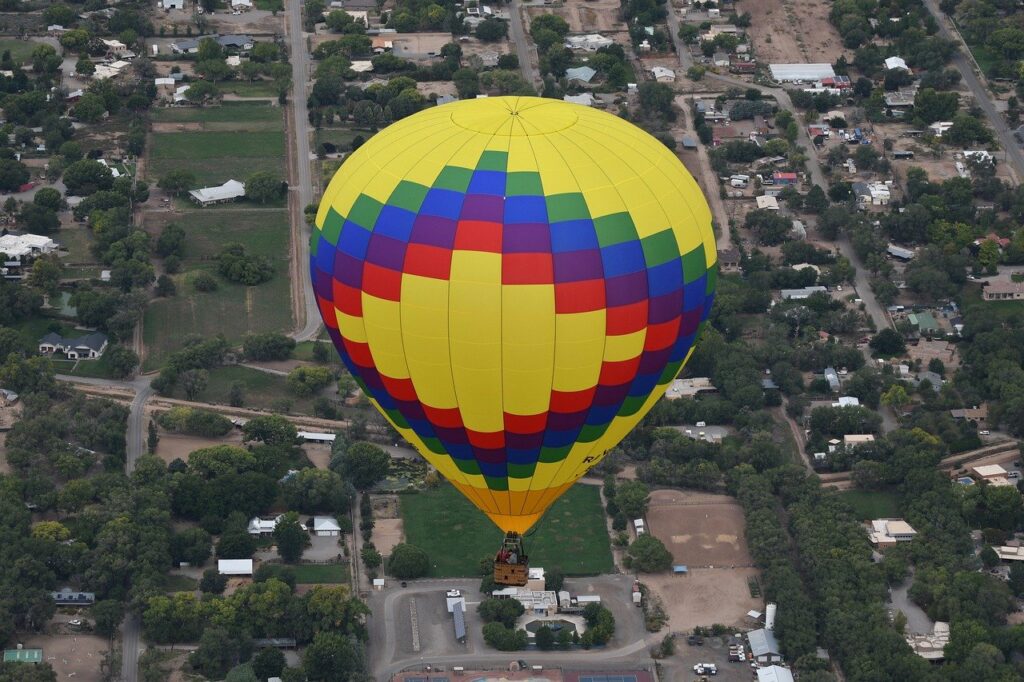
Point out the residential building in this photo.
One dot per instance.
(993, 474)
(832, 377)
(871, 193)
(241, 5)
(742, 66)
(976, 414)
(258, 526)
(931, 647)
(689, 142)
(729, 260)
(719, 29)
(767, 203)
(116, 47)
(899, 252)
(580, 74)
(7, 398)
(234, 566)
(764, 648)
(847, 401)
(663, 75)
(172, 4)
(536, 602)
(229, 191)
(326, 526)
(720, 59)
(317, 437)
(887, 532)
(591, 42)
(852, 440)
(689, 388)
(774, 673)
(801, 294)
(1010, 553)
(795, 73)
(20, 250)
(896, 63)
(784, 178)
(584, 99)
(87, 347)
(232, 41)
(1003, 290)
(939, 128)
(69, 597)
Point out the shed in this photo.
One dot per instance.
(774, 673)
(801, 72)
(234, 566)
(21, 655)
(767, 203)
(680, 569)
(459, 620)
(317, 437)
(689, 142)
(326, 526)
(69, 597)
(582, 74)
(378, 584)
(764, 647)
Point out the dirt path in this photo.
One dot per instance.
(708, 181)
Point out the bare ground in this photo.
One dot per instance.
(5, 468)
(706, 596)
(318, 454)
(793, 31)
(77, 656)
(173, 446)
(585, 16)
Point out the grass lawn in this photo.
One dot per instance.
(340, 137)
(21, 50)
(571, 536)
(179, 583)
(971, 296)
(33, 329)
(218, 143)
(872, 504)
(98, 369)
(304, 351)
(321, 573)
(261, 389)
(233, 310)
(77, 242)
(250, 89)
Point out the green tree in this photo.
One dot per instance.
(647, 554)
(177, 181)
(86, 177)
(268, 662)
(268, 346)
(313, 491)
(504, 611)
(107, 615)
(13, 174)
(632, 497)
(888, 342)
(90, 108)
(331, 657)
(271, 429)
(896, 397)
(291, 538)
(362, 464)
(194, 382)
(263, 186)
(545, 638)
(408, 562)
(491, 30)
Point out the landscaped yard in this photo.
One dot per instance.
(321, 573)
(233, 310)
(872, 504)
(21, 50)
(261, 389)
(571, 536)
(218, 143)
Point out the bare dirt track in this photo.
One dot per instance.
(788, 31)
(707, 533)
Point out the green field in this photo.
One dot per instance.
(321, 573)
(233, 310)
(219, 143)
(261, 389)
(250, 88)
(340, 137)
(571, 537)
(872, 504)
(98, 369)
(21, 50)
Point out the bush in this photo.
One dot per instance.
(236, 265)
(503, 638)
(504, 611)
(408, 562)
(269, 346)
(648, 555)
(205, 282)
(195, 422)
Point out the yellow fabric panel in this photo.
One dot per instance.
(384, 335)
(520, 155)
(528, 347)
(549, 474)
(474, 305)
(624, 346)
(351, 327)
(556, 175)
(579, 348)
(343, 189)
(425, 337)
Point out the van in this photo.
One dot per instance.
(699, 424)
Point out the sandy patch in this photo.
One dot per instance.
(168, 127)
(706, 596)
(386, 534)
(5, 468)
(318, 454)
(174, 446)
(793, 31)
(70, 655)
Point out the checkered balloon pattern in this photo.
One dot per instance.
(513, 282)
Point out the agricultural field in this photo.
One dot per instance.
(233, 310)
(572, 535)
(218, 143)
(872, 504)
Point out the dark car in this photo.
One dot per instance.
(695, 640)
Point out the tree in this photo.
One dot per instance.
(491, 30)
(177, 181)
(45, 275)
(217, 653)
(291, 538)
(896, 397)
(107, 615)
(367, 114)
(13, 174)
(236, 265)
(656, 99)
(504, 611)
(363, 465)
(122, 361)
(236, 544)
(647, 554)
(545, 638)
(467, 83)
(988, 556)
(331, 657)
(888, 342)
(263, 187)
(86, 177)
(631, 498)
(268, 662)
(213, 70)
(503, 638)
(268, 346)
(314, 490)
(408, 562)
(931, 106)
(50, 198)
(271, 429)
(205, 282)
(194, 382)
(305, 380)
(90, 108)
(165, 287)
(200, 91)
(38, 219)
(192, 546)
(213, 582)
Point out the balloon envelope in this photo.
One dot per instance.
(513, 282)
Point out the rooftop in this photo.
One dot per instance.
(763, 642)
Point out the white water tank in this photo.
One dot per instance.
(769, 616)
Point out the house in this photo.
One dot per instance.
(20, 250)
(939, 128)
(7, 398)
(1001, 242)
(993, 474)
(783, 179)
(580, 74)
(978, 415)
(689, 142)
(887, 532)
(585, 99)
(241, 5)
(55, 30)
(689, 388)
(229, 191)
(795, 73)
(721, 133)
(663, 75)
(116, 47)
(729, 260)
(1004, 290)
(924, 322)
(931, 647)
(742, 66)
(234, 566)
(236, 41)
(69, 597)
(720, 59)
(767, 203)
(535, 602)
(21, 655)
(764, 648)
(801, 294)
(847, 401)
(326, 526)
(258, 526)
(1008, 553)
(896, 63)
(899, 102)
(816, 129)
(107, 71)
(167, 5)
(89, 346)
(899, 252)
(591, 42)
(774, 673)
(832, 378)
(233, 42)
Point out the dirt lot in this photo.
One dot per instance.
(585, 16)
(793, 31)
(71, 655)
(927, 350)
(319, 454)
(5, 468)
(173, 445)
(708, 534)
(387, 523)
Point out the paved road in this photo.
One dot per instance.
(524, 49)
(995, 120)
(300, 92)
(918, 622)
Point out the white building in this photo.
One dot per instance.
(931, 647)
(241, 5)
(229, 191)
(234, 566)
(258, 526)
(896, 63)
(172, 4)
(537, 602)
(764, 648)
(939, 128)
(116, 47)
(591, 42)
(663, 75)
(20, 250)
(326, 526)
(792, 73)
(87, 347)
(801, 294)
(688, 388)
(584, 99)
(887, 532)
(317, 437)
(774, 673)
(767, 203)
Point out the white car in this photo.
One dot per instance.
(700, 424)
(985, 432)
(705, 669)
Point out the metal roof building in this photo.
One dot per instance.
(229, 191)
(774, 673)
(801, 72)
(460, 622)
(763, 646)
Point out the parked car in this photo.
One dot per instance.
(984, 432)
(695, 640)
(705, 668)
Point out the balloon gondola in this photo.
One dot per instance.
(513, 282)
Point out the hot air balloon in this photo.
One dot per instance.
(513, 282)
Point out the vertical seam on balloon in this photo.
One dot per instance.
(604, 348)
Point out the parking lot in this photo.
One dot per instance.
(715, 650)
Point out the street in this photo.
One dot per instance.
(963, 64)
(524, 50)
